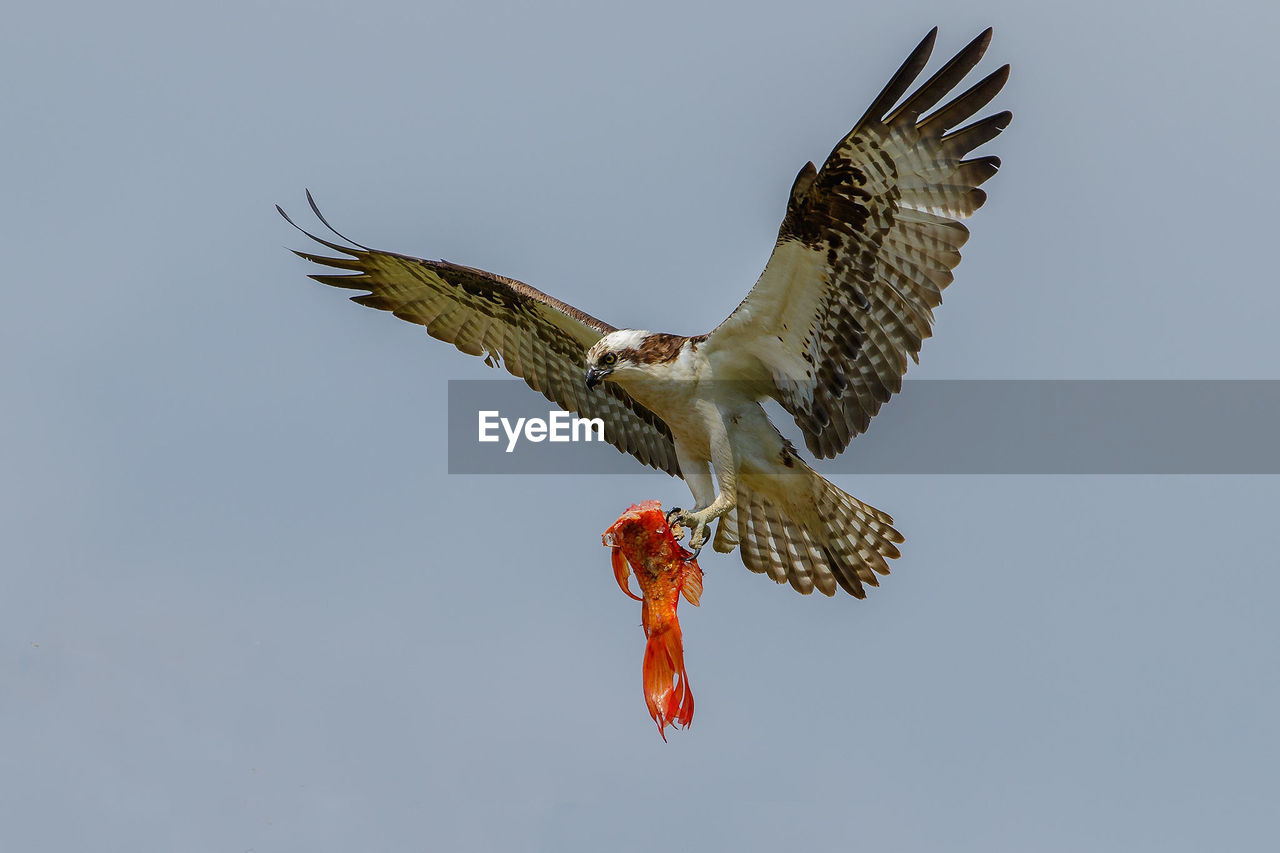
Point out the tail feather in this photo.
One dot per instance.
(726, 533)
(815, 537)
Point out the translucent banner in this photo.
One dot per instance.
(931, 427)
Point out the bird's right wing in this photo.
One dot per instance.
(535, 336)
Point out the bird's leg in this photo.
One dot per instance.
(697, 474)
(726, 474)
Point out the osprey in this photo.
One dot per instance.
(865, 249)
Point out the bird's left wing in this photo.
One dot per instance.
(535, 336)
(867, 245)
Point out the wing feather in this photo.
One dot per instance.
(867, 246)
(534, 336)
(942, 82)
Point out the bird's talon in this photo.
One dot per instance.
(697, 533)
(680, 521)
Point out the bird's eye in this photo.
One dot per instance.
(609, 359)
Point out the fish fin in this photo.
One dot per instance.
(621, 571)
(691, 583)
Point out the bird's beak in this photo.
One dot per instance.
(594, 376)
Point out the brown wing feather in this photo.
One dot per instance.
(866, 248)
(535, 336)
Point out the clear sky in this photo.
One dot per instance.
(246, 608)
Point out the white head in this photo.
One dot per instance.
(615, 355)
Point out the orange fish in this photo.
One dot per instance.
(665, 571)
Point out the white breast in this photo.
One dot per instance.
(685, 392)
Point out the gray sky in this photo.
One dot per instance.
(245, 608)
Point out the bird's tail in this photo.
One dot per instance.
(809, 533)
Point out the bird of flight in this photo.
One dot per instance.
(865, 249)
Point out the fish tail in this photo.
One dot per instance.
(666, 683)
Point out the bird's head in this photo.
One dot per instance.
(615, 356)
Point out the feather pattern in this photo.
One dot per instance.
(814, 536)
(865, 250)
(535, 336)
